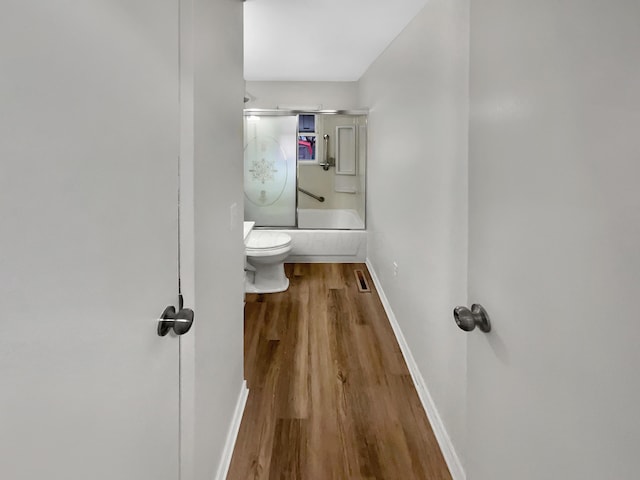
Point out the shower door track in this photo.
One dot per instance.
(277, 112)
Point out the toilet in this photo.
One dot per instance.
(266, 252)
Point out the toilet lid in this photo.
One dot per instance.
(267, 240)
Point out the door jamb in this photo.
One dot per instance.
(186, 240)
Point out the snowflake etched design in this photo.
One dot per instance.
(263, 170)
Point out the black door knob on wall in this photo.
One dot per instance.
(179, 321)
(467, 319)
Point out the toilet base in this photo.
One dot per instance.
(266, 279)
(249, 287)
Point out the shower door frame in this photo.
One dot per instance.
(276, 112)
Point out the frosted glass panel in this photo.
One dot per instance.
(270, 170)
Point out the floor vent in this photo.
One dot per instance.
(361, 280)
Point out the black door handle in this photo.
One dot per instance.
(180, 321)
(467, 319)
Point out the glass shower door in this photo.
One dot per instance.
(270, 170)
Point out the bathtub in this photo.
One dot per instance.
(327, 246)
(341, 219)
(323, 236)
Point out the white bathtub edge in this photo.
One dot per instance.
(327, 246)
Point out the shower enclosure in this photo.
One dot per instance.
(305, 170)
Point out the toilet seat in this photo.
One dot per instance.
(267, 243)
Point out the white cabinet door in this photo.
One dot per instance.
(554, 230)
(88, 242)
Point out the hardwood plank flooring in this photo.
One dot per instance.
(330, 396)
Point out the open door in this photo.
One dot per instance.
(88, 251)
(553, 389)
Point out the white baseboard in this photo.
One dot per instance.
(446, 446)
(324, 259)
(225, 461)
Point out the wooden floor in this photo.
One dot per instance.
(330, 394)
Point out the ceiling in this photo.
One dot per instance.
(319, 40)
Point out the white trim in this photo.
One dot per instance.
(323, 259)
(446, 446)
(234, 428)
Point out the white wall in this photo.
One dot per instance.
(219, 249)
(330, 95)
(417, 193)
(555, 239)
